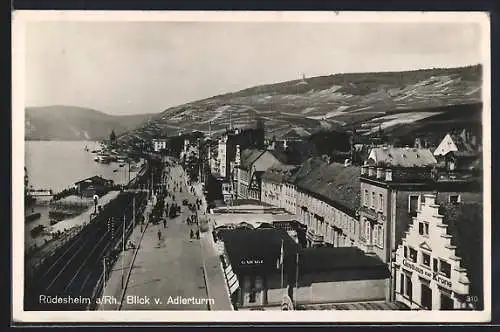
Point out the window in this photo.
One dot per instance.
(405, 251)
(446, 302)
(444, 268)
(366, 198)
(413, 204)
(423, 228)
(413, 255)
(454, 199)
(426, 259)
(381, 236)
(426, 297)
(409, 288)
(375, 234)
(435, 265)
(367, 231)
(373, 200)
(252, 291)
(381, 202)
(402, 284)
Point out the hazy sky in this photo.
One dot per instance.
(146, 67)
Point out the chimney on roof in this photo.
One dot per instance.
(237, 160)
(473, 140)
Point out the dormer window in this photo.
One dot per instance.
(454, 199)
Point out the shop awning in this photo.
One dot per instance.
(356, 306)
(232, 280)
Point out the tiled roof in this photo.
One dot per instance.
(465, 224)
(402, 157)
(280, 156)
(336, 183)
(249, 156)
(92, 179)
(330, 258)
(306, 168)
(279, 172)
(462, 145)
(295, 133)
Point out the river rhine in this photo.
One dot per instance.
(57, 165)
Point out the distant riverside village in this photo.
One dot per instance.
(377, 225)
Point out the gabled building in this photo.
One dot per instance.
(159, 144)
(439, 264)
(94, 185)
(286, 139)
(393, 182)
(253, 163)
(459, 153)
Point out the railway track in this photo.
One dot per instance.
(75, 269)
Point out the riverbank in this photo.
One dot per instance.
(57, 235)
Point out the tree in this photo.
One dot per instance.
(112, 137)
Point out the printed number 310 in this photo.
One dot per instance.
(472, 298)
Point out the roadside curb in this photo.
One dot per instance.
(131, 266)
(203, 258)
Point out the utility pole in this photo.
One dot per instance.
(104, 274)
(133, 210)
(296, 279)
(128, 171)
(123, 249)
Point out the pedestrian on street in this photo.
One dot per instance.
(191, 234)
(198, 234)
(164, 223)
(159, 235)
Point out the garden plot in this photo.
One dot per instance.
(396, 120)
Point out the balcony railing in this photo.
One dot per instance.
(313, 236)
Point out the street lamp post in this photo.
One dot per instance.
(96, 200)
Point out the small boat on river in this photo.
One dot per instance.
(33, 217)
(37, 230)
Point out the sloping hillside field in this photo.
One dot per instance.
(368, 101)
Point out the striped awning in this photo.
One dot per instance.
(232, 279)
(356, 306)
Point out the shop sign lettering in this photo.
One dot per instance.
(252, 261)
(432, 275)
(441, 280)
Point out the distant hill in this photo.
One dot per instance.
(76, 123)
(367, 101)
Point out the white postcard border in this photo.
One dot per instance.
(20, 18)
